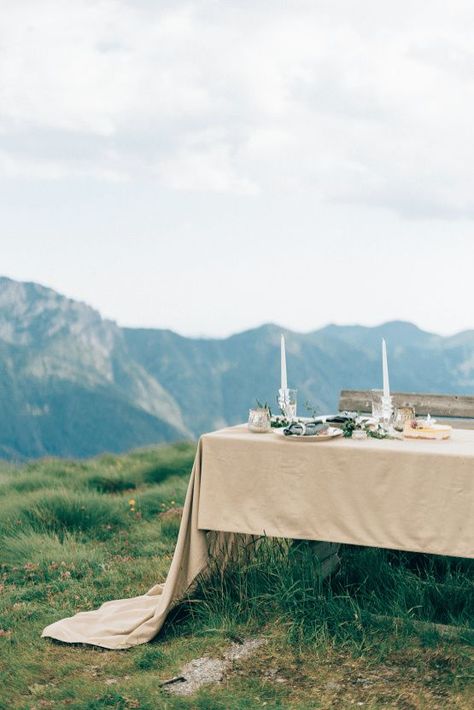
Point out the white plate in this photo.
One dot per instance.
(331, 433)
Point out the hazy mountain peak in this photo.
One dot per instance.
(266, 331)
(72, 383)
(398, 333)
(30, 313)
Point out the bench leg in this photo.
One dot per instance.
(326, 552)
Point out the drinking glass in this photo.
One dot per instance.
(287, 402)
(402, 415)
(377, 404)
(259, 420)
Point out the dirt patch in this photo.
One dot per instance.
(205, 670)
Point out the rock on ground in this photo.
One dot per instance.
(205, 670)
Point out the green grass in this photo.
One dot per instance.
(70, 539)
(281, 580)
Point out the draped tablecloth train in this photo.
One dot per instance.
(123, 623)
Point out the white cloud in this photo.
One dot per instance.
(19, 166)
(371, 105)
(204, 169)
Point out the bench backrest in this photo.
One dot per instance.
(457, 410)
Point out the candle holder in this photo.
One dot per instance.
(259, 420)
(287, 403)
(387, 413)
(402, 415)
(376, 396)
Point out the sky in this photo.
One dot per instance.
(211, 165)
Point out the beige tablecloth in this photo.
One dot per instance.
(406, 495)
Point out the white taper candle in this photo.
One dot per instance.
(386, 381)
(284, 381)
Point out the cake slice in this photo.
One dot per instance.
(426, 429)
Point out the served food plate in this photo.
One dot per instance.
(420, 429)
(324, 435)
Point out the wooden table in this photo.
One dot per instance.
(409, 495)
(406, 495)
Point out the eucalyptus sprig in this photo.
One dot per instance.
(378, 433)
(348, 428)
(264, 406)
(279, 422)
(352, 424)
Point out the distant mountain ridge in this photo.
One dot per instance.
(75, 384)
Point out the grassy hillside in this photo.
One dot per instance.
(75, 534)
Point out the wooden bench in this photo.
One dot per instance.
(454, 409)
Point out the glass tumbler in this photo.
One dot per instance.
(402, 415)
(377, 404)
(287, 402)
(259, 420)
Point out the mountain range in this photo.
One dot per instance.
(75, 384)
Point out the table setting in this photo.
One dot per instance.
(386, 479)
(385, 421)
